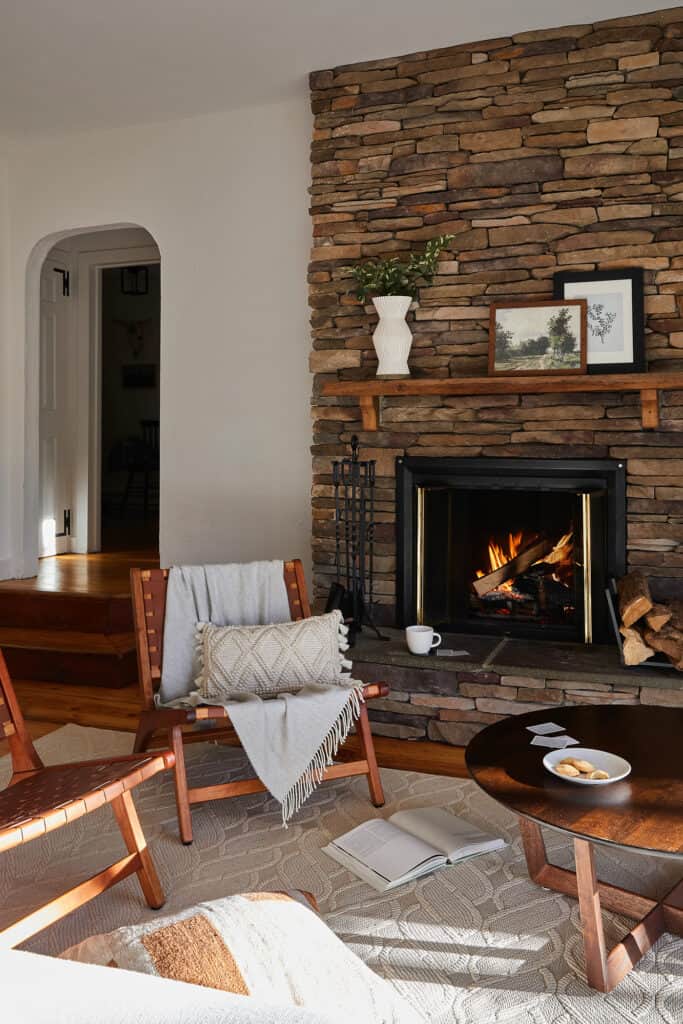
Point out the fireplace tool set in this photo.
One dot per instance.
(354, 528)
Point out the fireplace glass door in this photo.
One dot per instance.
(526, 554)
(513, 559)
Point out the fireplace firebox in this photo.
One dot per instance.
(519, 547)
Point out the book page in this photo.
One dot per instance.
(386, 849)
(452, 836)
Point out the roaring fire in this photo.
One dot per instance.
(498, 556)
(501, 553)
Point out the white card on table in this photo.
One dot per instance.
(554, 742)
(445, 652)
(545, 728)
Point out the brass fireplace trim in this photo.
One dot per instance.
(420, 552)
(586, 559)
(586, 509)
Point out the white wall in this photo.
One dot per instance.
(5, 411)
(6, 561)
(224, 197)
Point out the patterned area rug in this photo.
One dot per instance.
(477, 942)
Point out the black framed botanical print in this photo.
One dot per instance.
(615, 336)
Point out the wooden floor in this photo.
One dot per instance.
(100, 575)
(414, 756)
(49, 705)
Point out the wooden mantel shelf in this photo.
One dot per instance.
(369, 392)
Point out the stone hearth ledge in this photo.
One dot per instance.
(449, 700)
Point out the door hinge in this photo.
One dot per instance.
(66, 532)
(66, 280)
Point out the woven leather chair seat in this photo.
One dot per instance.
(40, 799)
(58, 794)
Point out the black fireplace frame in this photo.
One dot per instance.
(413, 472)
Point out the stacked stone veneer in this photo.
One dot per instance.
(555, 149)
(452, 706)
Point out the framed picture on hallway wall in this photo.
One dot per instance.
(537, 338)
(615, 340)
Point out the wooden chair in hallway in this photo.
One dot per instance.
(42, 798)
(148, 587)
(142, 461)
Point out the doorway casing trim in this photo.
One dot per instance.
(24, 560)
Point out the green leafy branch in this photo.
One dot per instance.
(393, 276)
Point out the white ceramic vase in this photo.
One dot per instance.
(392, 338)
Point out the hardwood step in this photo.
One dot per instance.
(41, 609)
(99, 670)
(70, 656)
(67, 641)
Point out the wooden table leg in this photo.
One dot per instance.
(534, 849)
(604, 970)
(595, 951)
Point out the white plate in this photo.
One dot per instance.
(618, 767)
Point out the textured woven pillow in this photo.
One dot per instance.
(267, 945)
(267, 660)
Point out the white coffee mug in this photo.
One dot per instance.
(421, 639)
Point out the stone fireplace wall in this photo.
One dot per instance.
(554, 149)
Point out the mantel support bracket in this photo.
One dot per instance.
(649, 408)
(369, 410)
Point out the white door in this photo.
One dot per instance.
(55, 448)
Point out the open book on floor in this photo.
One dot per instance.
(388, 852)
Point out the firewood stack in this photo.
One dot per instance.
(648, 627)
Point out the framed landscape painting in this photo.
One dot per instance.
(534, 338)
(615, 337)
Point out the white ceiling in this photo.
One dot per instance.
(82, 64)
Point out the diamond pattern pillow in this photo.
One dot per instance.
(267, 660)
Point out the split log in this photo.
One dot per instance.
(668, 641)
(634, 648)
(658, 616)
(635, 599)
(517, 565)
(676, 620)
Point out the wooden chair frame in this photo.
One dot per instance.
(148, 588)
(40, 799)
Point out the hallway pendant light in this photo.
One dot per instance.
(135, 280)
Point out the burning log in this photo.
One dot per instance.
(635, 599)
(517, 565)
(562, 552)
(553, 593)
(634, 648)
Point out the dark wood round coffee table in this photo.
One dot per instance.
(642, 812)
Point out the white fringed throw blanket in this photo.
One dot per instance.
(289, 739)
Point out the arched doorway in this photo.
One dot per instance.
(93, 432)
